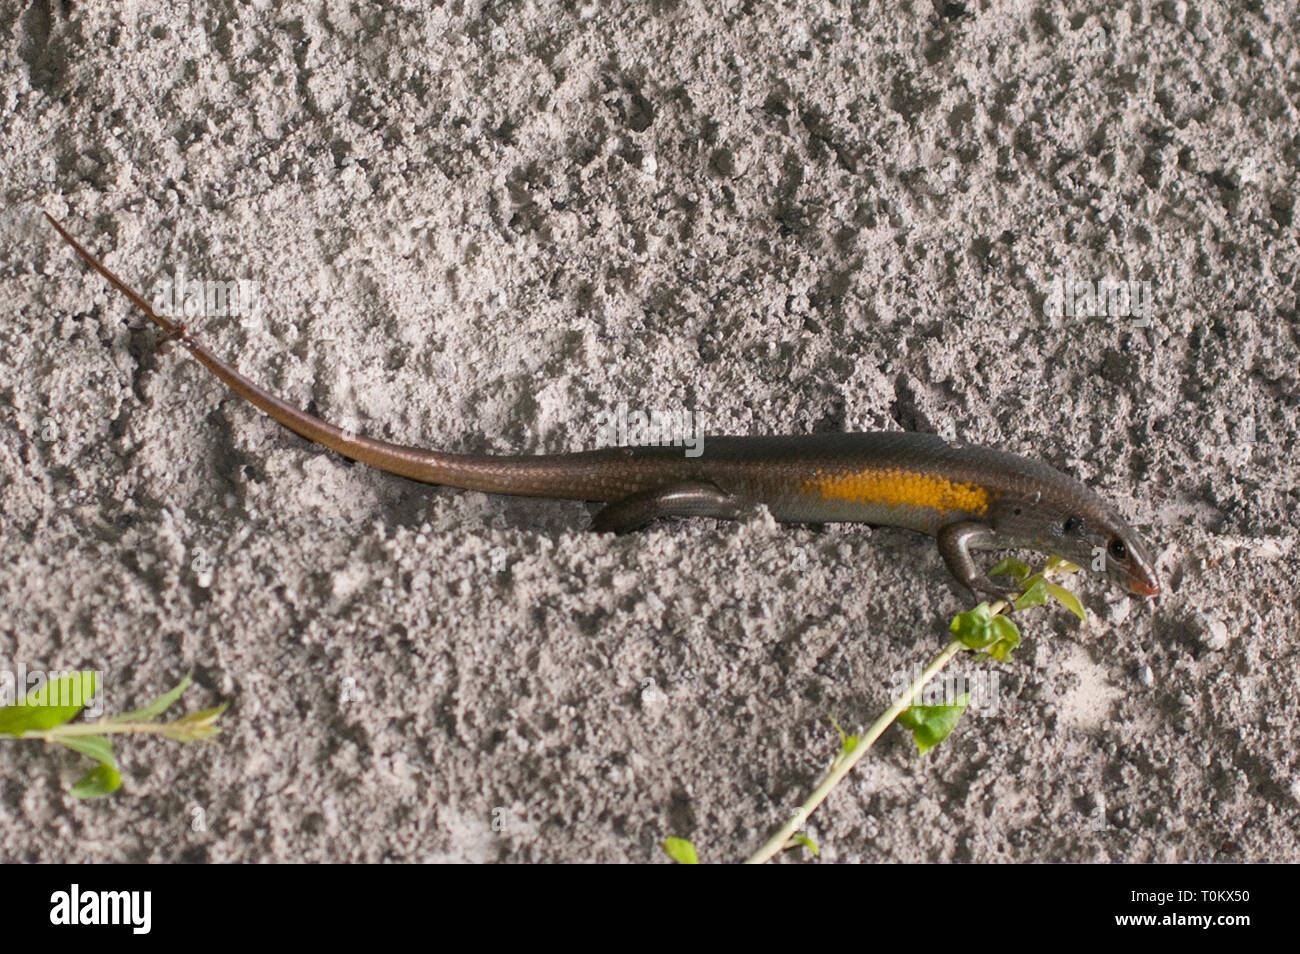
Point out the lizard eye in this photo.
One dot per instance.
(1071, 525)
(1117, 549)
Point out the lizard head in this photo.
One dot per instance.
(1104, 540)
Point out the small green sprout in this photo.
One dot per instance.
(681, 851)
(847, 742)
(38, 717)
(987, 631)
(799, 838)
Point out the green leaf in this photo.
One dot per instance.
(1035, 593)
(158, 706)
(195, 726)
(1067, 599)
(97, 747)
(1011, 567)
(681, 851)
(930, 725)
(974, 628)
(1060, 565)
(1007, 638)
(799, 838)
(847, 742)
(102, 780)
(37, 712)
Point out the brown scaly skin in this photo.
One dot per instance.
(967, 497)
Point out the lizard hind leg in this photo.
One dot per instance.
(684, 499)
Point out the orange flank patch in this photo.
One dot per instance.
(894, 487)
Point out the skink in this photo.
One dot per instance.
(967, 497)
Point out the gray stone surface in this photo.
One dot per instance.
(478, 227)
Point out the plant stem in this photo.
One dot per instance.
(101, 728)
(844, 763)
